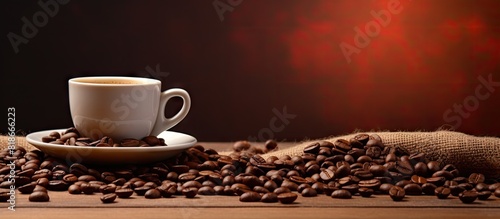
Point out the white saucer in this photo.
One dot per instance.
(176, 143)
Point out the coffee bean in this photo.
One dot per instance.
(287, 198)
(404, 168)
(190, 192)
(327, 175)
(443, 173)
(152, 194)
(108, 198)
(74, 189)
(271, 145)
(418, 179)
(39, 196)
(250, 196)
(124, 192)
(476, 178)
(428, 188)
(206, 190)
(309, 192)
(483, 195)
(413, 189)
(397, 193)
(282, 189)
(341, 194)
(365, 192)
(109, 188)
(241, 146)
(28, 188)
(269, 198)
(468, 196)
(442, 192)
(371, 183)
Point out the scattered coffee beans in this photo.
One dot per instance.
(362, 165)
(72, 137)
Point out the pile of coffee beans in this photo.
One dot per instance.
(342, 169)
(72, 137)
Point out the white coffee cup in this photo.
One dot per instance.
(122, 107)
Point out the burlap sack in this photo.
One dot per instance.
(468, 153)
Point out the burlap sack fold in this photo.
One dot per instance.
(468, 153)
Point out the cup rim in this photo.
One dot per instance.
(82, 81)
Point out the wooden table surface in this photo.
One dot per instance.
(64, 205)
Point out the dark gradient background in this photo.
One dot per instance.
(265, 55)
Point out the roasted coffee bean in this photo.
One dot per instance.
(57, 185)
(365, 192)
(152, 194)
(428, 188)
(271, 145)
(483, 195)
(206, 190)
(190, 192)
(109, 188)
(124, 192)
(108, 198)
(420, 169)
(327, 175)
(341, 194)
(468, 196)
(241, 146)
(250, 196)
(342, 144)
(413, 189)
(282, 189)
(373, 151)
(74, 189)
(442, 192)
(371, 183)
(438, 181)
(404, 168)
(443, 173)
(397, 193)
(87, 188)
(39, 196)
(456, 190)
(287, 198)
(309, 192)
(418, 179)
(129, 142)
(476, 178)
(78, 169)
(312, 148)
(27, 188)
(269, 197)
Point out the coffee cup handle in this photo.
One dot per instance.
(163, 123)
